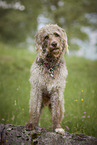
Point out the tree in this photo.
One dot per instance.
(18, 19)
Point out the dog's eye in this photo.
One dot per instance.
(46, 37)
(56, 34)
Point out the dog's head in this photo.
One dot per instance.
(51, 40)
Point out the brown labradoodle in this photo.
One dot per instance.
(48, 76)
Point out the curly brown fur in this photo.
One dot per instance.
(48, 76)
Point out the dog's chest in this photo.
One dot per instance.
(40, 77)
(55, 79)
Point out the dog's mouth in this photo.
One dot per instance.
(55, 51)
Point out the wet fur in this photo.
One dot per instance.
(48, 76)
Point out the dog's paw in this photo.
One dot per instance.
(29, 126)
(60, 131)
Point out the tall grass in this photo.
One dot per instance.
(80, 93)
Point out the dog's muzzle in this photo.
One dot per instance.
(54, 48)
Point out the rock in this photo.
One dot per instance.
(18, 135)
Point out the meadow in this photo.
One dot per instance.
(80, 92)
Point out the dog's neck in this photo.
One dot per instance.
(49, 62)
(50, 65)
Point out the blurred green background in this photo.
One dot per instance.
(19, 22)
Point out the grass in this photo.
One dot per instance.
(80, 93)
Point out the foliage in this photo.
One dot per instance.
(80, 93)
(16, 25)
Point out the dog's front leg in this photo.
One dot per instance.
(34, 108)
(57, 106)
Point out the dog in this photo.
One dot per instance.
(48, 76)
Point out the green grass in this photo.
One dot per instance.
(80, 93)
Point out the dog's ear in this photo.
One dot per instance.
(65, 40)
(37, 42)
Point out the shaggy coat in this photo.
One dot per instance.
(48, 76)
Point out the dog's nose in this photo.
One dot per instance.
(54, 44)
